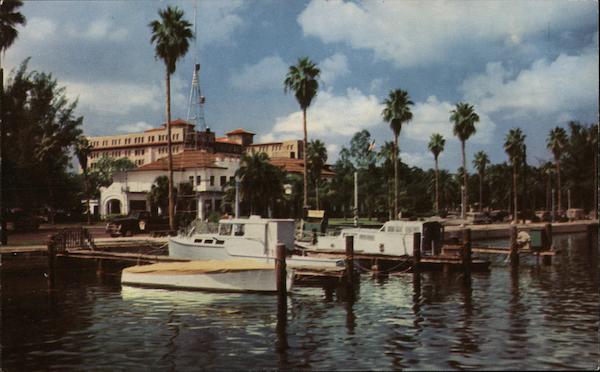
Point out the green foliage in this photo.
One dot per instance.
(397, 111)
(105, 168)
(159, 193)
(40, 128)
(301, 80)
(10, 18)
(171, 36)
(261, 183)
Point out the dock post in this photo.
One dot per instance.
(514, 249)
(592, 236)
(466, 252)
(416, 251)
(281, 270)
(547, 260)
(350, 259)
(314, 236)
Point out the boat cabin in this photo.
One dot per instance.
(268, 231)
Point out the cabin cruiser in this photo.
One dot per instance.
(239, 238)
(395, 238)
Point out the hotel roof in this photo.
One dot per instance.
(188, 159)
(239, 131)
(297, 166)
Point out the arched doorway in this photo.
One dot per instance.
(113, 206)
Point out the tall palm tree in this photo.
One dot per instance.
(436, 146)
(302, 80)
(464, 118)
(480, 161)
(171, 36)
(83, 149)
(317, 157)
(514, 146)
(556, 143)
(396, 112)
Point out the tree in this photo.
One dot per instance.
(83, 149)
(261, 183)
(159, 193)
(480, 161)
(464, 118)
(317, 157)
(436, 146)
(396, 112)
(386, 156)
(556, 143)
(106, 167)
(514, 148)
(10, 18)
(42, 126)
(171, 36)
(301, 79)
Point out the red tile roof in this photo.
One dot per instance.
(174, 123)
(226, 140)
(239, 131)
(187, 159)
(297, 166)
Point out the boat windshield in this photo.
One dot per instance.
(225, 229)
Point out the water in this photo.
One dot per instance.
(539, 317)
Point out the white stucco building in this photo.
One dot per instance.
(209, 174)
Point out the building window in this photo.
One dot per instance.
(232, 179)
(198, 180)
(223, 180)
(212, 180)
(192, 180)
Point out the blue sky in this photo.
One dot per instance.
(527, 64)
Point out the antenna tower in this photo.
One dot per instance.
(195, 114)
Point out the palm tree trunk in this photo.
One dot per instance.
(394, 158)
(437, 189)
(170, 155)
(559, 185)
(317, 192)
(304, 148)
(480, 191)
(515, 207)
(465, 201)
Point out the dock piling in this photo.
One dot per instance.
(350, 259)
(281, 271)
(592, 236)
(514, 249)
(416, 251)
(466, 253)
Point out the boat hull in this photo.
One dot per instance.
(263, 280)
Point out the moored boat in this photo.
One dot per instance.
(247, 238)
(220, 275)
(394, 238)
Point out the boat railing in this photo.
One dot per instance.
(198, 226)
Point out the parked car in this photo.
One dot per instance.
(498, 215)
(135, 223)
(478, 218)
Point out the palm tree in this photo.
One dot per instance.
(556, 143)
(171, 36)
(464, 118)
(386, 156)
(436, 146)
(480, 161)
(302, 80)
(261, 183)
(10, 18)
(317, 157)
(514, 146)
(396, 112)
(83, 149)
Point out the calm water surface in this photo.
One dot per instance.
(539, 317)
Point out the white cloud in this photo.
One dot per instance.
(99, 29)
(332, 115)
(114, 98)
(218, 20)
(410, 33)
(567, 83)
(423, 160)
(39, 29)
(333, 67)
(268, 73)
(332, 150)
(140, 126)
(433, 116)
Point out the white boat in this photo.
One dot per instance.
(253, 238)
(395, 238)
(222, 275)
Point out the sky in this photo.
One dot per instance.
(527, 64)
